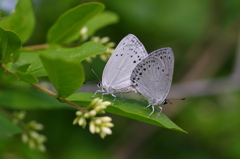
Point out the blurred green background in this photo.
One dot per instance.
(205, 37)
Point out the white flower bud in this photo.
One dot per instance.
(98, 121)
(97, 129)
(34, 134)
(92, 127)
(96, 39)
(107, 130)
(25, 138)
(103, 57)
(99, 108)
(109, 125)
(104, 40)
(75, 121)
(110, 44)
(106, 119)
(92, 113)
(82, 121)
(83, 31)
(106, 103)
(94, 102)
(86, 115)
(79, 113)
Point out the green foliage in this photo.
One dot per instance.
(57, 63)
(100, 21)
(7, 127)
(67, 77)
(68, 26)
(130, 108)
(10, 46)
(21, 21)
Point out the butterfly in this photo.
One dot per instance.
(117, 72)
(152, 77)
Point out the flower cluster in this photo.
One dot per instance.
(100, 125)
(30, 135)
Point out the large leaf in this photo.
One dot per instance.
(70, 23)
(101, 20)
(66, 76)
(7, 127)
(76, 54)
(10, 46)
(130, 108)
(21, 21)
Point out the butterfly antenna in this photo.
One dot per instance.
(95, 73)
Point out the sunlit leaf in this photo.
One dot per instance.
(76, 54)
(67, 77)
(70, 23)
(10, 46)
(130, 108)
(21, 21)
(101, 20)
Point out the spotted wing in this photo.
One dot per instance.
(124, 59)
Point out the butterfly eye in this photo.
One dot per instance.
(99, 84)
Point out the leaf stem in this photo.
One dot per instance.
(36, 47)
(58, 98)
(51, 93)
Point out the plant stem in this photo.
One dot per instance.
(51, 93)
(58, 98)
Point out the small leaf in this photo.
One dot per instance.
(7, 127)
(21, 21)
(10, 46)
(131, 109)
(67, 77)
(101, 20)
(70, 23)
(76, 54)
(26, 77)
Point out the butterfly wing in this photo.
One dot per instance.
(124, 59)
(152, 77)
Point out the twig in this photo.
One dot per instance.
(51, 93)
(36, 47)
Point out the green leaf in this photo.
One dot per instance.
(70, 23)
(10, 46)
(130, 108)
(76, 54)
(101, 20)
(67, 77)
(21, 21)
(28, 98)
(26, 77)
(7, 127)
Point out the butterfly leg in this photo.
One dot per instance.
(146, 106)
(114, 98)
(159, 111)
(122, 97)
(98, 91)
(152, 111)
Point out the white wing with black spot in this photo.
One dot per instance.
(124, 59)
(152, 77)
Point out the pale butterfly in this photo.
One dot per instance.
(152, 77)
(117, 72)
